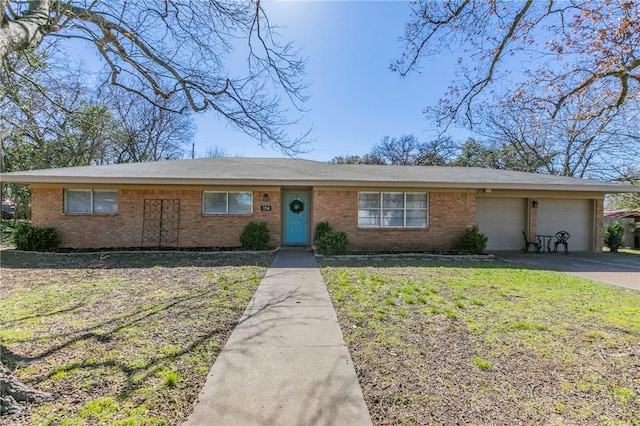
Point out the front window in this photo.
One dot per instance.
(90, 201)
(217, 202)
(392, 209)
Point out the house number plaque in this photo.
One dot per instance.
(265, 208)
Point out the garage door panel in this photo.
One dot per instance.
(502, 221)
(573, 216)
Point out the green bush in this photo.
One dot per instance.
(333, 243)
(322, 228)
(27, 237)
(472, 241)
(613, 236)
(255, 236)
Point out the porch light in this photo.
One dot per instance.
(534, 204)
(265, 197)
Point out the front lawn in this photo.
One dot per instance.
(482, 343)
(629, 251)
(119, 338)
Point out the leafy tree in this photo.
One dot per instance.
(175, 50)
(493, 155)
(356, 159)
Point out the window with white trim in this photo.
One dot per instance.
(393, 209)
(219, 202)
(91, 201)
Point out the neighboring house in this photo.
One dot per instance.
(207, 203)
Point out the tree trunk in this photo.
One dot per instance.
(13, 391)
(27, 31)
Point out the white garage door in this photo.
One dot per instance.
(502, 220)
(573, 216)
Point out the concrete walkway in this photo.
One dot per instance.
(286, 362)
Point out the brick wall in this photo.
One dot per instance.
(599, 220)
(533, 218)
(450, 214)
(125, 229)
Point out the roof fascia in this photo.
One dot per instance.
(33, 179)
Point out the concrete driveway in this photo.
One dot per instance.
(616, 269)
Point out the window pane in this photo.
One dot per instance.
(393, 200)
(416, 218)
(368, 218)
(369, 200)
(78, 201)
(416, 201)
(214, 202)
(240, 202)
(105, 201)
(393, 218)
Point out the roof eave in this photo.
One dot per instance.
(33, 179)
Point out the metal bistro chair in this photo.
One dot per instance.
(561, 238)
(528, 243)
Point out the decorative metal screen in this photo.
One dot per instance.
(161, 223)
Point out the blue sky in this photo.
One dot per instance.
(355, 98)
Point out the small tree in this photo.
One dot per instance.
(613, 236)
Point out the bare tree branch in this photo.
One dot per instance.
(573, 48)
(178, 49)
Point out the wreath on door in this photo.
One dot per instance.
(296, 206)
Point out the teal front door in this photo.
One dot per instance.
(296, 214)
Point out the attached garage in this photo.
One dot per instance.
(502, 220)
(573, 216)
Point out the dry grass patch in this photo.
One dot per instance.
(487, 343)
(119, 338)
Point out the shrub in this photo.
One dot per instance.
(473, 241)
(255, 236)
(27, 237)
(322, 228)
(333, 243)
(613, 236)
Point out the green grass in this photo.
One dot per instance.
(629, 251)
(128, 343)
(482, 364)
(170, 378)
(465, 336)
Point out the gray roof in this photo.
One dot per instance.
(296, 172)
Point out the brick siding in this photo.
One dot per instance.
(450, 214)
(125, 229)
(599, 234)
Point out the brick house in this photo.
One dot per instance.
(207, 203)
